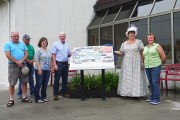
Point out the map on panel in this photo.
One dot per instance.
(92, 57)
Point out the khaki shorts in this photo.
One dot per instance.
(14, 73)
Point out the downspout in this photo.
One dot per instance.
(9, 22)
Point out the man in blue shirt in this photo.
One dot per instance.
(60, 54)
(16, 52)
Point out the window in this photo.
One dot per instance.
(143, 8)
(125, 12)
(93, 37)
(111, 15)
(142, 29)
(177, 37)
(163, 5)
(97, 19)
(158, 24)
(161, 28)
(119, 38)
(106, 35)
(177, 4)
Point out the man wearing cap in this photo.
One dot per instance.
(29, 61)
(16, 52)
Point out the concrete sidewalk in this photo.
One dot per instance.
(119, 108)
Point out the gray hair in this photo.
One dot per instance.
(62, 33)
(14, 32)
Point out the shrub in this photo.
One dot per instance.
(92, 82)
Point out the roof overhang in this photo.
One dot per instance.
(105, 4)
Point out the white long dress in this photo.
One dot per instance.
(133, 80)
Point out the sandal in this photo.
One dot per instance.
(10, 103)
(26, 100)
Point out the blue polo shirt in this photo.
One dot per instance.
(61, 50)
(17, 50)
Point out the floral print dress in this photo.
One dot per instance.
(133, 80)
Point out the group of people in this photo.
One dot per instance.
(139, 64)
(42, 62)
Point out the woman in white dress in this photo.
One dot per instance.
(132, 81)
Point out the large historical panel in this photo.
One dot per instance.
(92, 57)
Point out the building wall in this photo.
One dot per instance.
(47, 19)
(3, 39)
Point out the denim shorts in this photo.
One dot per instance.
(14, 73)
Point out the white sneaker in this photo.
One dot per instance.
(154, 103)
(19, 96)
(45, 100)
(39, 101)
(148, 100)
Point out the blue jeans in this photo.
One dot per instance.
(31, 81)
(41, 83)
(61, 72)
(153, 75)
